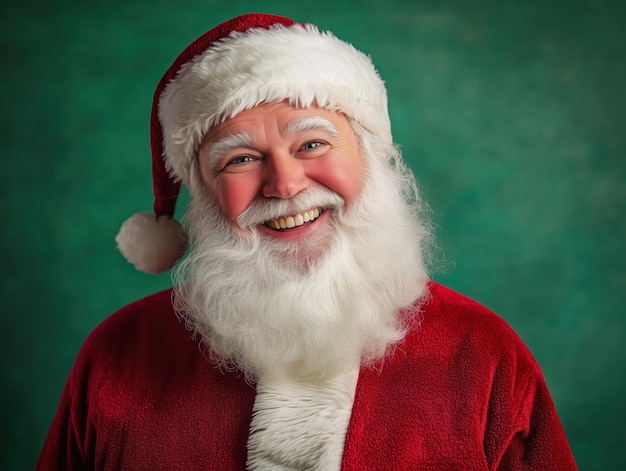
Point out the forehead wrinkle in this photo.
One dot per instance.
(311, 123)
(228, 142)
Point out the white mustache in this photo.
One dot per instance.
(262, 210)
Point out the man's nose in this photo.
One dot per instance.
(284, 176)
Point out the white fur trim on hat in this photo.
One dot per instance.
(298, 63)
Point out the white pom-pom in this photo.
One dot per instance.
(152, 245)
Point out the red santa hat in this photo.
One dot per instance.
(246, 61)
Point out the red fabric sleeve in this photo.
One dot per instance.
(461, 393)
(142, 395)
(63, 448)
(538, 441)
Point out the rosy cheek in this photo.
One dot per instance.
(235, 193)
(338, 173)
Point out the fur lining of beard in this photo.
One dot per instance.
(306, 309)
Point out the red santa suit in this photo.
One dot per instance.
(461, 392)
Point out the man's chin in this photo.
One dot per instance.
(299, 253)
(300, 248)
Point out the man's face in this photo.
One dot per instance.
(278, 151)
(257, 170)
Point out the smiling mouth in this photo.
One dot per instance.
(296, 220)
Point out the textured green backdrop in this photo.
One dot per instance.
(510, 113)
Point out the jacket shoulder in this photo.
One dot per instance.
(455, 324)
(145, 329)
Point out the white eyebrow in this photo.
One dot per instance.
(311, 123)
(225, 144)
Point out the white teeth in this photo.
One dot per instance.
(296, 220)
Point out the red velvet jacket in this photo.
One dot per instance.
(461, 392)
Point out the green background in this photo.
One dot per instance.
(510, 113)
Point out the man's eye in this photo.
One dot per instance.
(311, 145)
(240, 159)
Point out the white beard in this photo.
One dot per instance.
(312, 308)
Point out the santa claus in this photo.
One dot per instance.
(303, 331)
